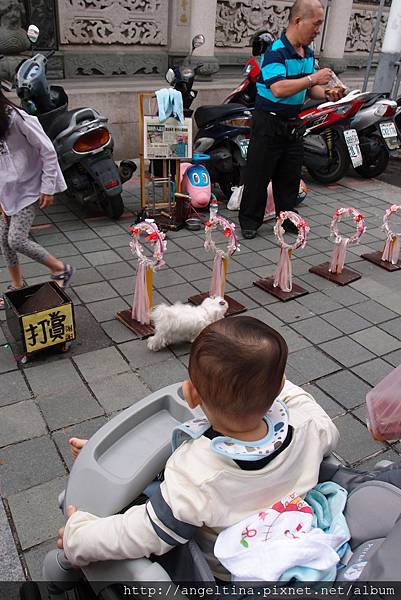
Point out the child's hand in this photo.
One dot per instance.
(60, 536)
(45, 200)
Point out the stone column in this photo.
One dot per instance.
(336, 35)
(203, 20)
(390, 52)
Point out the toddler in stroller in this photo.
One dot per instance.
(263, 438)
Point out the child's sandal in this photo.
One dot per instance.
(64, 277)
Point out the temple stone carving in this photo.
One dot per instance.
(13, 39)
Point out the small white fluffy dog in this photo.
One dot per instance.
(183, 322)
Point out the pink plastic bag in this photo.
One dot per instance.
(384, 407)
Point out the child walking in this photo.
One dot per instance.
(29, 177)
(262, 439)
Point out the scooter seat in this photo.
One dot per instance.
(207, 114)
(60, 121)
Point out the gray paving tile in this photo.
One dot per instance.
(328, 404)
(106, 230)
(28, 463)
(347, 351)
(311, 364)
(119, 391)
(82, 430)
(243, 299)
(102, 258)
(241, 279)
(346, 295)
(92, 245)
(373, 311)
(34, 558)
(166, 373)
(70, 407)
(394, 358)
(13, 388)
(36, 513)
(117, 241)
(264, 315)
(45, 381)
(355, 440)
(194, 272)
(20, 422)
(318, 303)
(294, 341)
(84, 276)
(7, 360)
(316, 330)
(123, 269)
(138, 355)
(118, 332)
(92, 292)
(250, 260)
(260, 296)
(10, 565)
(179, 293)
(81, 234)
(178, 259)
(376, 340)
(345, 388)
(290, 312)
(347, 321)
(101, 363)
(393, 327)
(370, 463)
(373, 371)
(105, 310)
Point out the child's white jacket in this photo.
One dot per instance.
(203, 493)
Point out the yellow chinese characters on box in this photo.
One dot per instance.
(48, 328)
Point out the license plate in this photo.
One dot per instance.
(390, 136)
(352, 141)
(243, 146)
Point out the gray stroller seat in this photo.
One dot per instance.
(127, 453)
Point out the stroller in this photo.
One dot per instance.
(105, 479)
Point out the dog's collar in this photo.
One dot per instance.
(276, 419)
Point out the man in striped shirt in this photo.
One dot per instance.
(274, 154)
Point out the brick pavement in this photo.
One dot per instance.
(342, 341)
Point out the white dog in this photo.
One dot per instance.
(183, 322)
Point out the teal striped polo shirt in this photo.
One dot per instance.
(281, 61)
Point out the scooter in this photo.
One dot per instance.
(81, 137)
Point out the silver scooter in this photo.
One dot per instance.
(81, 137)
(378, 135)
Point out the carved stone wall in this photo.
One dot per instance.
(361, 28)
(42, 13)
(238, 20)
(106, 22)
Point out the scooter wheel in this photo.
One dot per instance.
(113, 206)
(376, 167)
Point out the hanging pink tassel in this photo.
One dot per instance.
(140, 303)
(283, 277)
(218, 276)
(391, 252)
(338, 257)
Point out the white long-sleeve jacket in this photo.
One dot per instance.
(204, 492)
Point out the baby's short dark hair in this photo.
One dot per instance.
(237, 365)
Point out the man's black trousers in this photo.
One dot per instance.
(274, 154)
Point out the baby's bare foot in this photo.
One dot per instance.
(76, 445)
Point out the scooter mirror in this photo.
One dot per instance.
(197, 41)
(33, 33)
(170, 76)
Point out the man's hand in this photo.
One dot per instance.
(45, 200)
(60, 536)
(322, 76)
(334, 94)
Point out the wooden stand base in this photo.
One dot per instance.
(267, 286)
(376, 258)
(347, 276)
(141, 330)
(234, 307)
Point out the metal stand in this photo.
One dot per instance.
(376, 259)
(267, 286)
(234, 307)
(344, 278)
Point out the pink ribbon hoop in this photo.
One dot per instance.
(142, 300)
(342, 243)
(283, 276)
(219, 274)
(391, 252)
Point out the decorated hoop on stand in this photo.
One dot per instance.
(389, 258)
(220, 263)
(335, 270)
(138, 319)
(281, 285)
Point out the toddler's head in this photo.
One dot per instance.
(237, 367)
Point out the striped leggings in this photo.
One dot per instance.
(14, 232)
